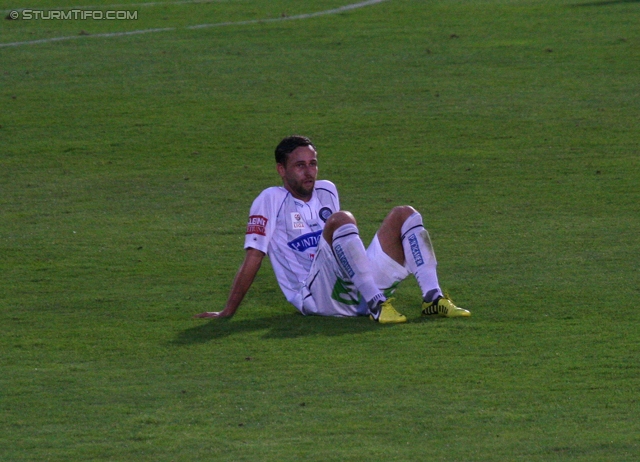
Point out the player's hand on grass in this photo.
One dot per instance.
(215, 314)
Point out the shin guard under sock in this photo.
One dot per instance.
(420, 257)
(352, 257)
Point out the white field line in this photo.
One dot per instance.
(353, 6)
(341, 9)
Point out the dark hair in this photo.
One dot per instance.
(290, 144)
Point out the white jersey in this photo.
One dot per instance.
(288, 230)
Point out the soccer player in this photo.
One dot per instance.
(315, 249)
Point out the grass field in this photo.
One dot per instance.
(127, 167)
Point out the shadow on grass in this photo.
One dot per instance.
(281, 326)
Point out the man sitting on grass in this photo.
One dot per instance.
(315, 249)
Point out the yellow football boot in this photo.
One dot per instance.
(445, 308)
(385, 313)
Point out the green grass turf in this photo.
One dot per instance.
(127, 168)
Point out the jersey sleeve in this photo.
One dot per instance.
(332, 190)
(261, 223)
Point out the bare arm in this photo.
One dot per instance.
(241, 284)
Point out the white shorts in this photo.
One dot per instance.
(328, 291)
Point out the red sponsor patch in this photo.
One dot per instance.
(257, 225)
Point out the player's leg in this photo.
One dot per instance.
(404, 238)
(341, 233)
(327, 292)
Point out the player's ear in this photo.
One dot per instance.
(281, 169)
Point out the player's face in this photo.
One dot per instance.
(300, 172)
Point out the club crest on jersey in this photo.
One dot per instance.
(296, 221)
(257, 225)
(306, 241)
(325, 213)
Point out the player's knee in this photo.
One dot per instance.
(335, 221)
(340, 218)
(395, 219)
(401, 212)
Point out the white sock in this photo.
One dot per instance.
(420, 257)
(352, 257)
